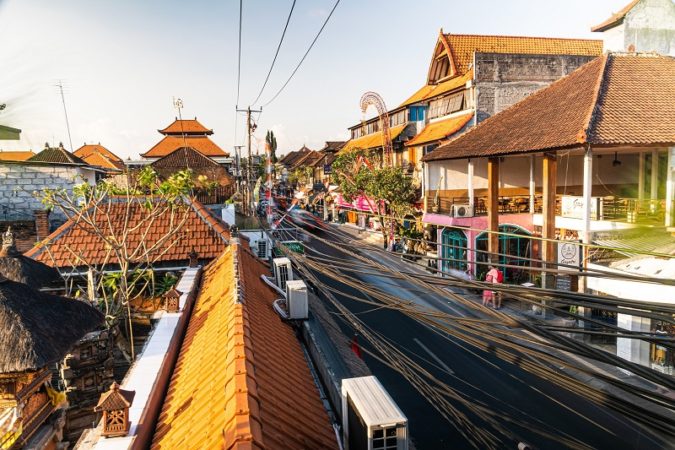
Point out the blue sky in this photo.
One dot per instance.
(122, 62)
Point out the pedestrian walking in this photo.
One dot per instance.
(493, 276)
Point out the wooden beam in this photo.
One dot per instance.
(550, 180)
(493, 205)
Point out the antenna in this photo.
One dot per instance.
(65, 113)
(178, 104)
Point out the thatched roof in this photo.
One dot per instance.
(37, 329)
(16, 267)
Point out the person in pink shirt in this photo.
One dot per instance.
(490, 296)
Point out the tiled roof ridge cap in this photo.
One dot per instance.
(186, 148)
(211, 221)
(235, 247)
(549, 38)
(584, 134)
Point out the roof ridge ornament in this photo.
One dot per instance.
(8, 247)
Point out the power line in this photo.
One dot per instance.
(305, 55)
(239, 51)
(274, 60)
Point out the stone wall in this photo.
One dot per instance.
(505, 79)
(20, 181)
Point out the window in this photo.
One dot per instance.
(397, 119)
(446, 105)
(384, 438)
(262, 249)
(416, 113)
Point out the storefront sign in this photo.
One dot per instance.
(574, 207)
(569, 254)
(327, 169)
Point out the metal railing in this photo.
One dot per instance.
(215, 196)
(513, 204)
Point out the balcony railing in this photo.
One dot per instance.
(216, 196)
(514, 204)
(630, 210)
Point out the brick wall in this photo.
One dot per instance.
(20, 181)
(505, 79)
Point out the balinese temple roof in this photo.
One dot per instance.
(619, 99)
(98, 155)
(241, 380)
(37, 329)
(186, 126)
(17, 267)
(187, 157)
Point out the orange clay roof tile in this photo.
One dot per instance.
(436, 131)
(98, 155)
(372, 140)
(15, 155)
(75, 243)
(226, 390)
(615, 100)
(202, 144)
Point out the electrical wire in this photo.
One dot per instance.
(239, 54)
(304, 56)
(274, 60)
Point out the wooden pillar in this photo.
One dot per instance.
(654, 188)
(493, 206)
(469, 182)
(550, 181)
(641, 177)
(532, 185)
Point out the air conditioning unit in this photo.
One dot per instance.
(462, 211)
(370, 418)
(296, 299)
(283, 271)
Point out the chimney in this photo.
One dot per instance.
(41, 223)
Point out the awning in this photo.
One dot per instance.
(372, 140)
(437, 131)
(659, 242)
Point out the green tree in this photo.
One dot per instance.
(390, 190)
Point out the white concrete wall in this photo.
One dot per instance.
(633, 350)
(649, 27)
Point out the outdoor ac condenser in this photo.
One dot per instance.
(283, 271)
(370, 418)
(462, 211)
(296, 300)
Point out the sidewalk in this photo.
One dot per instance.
(514, 309)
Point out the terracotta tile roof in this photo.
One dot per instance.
(75, 242)
(333, 146)
(98, 155)
(16, 155)
(241, 380)
(57, 155)
(463, 46)
(372, 140)
(308, 159)
(616, 18)
(186, 157)
(202, 144)
(186, 126)
(430, 91)
(436, 131)
(291, 158)
(614, 100)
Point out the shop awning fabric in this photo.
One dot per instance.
(442, 129)
(372, 140)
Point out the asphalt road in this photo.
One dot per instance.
(532, 401)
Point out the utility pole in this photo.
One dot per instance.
(237, 164)
(250, 126)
